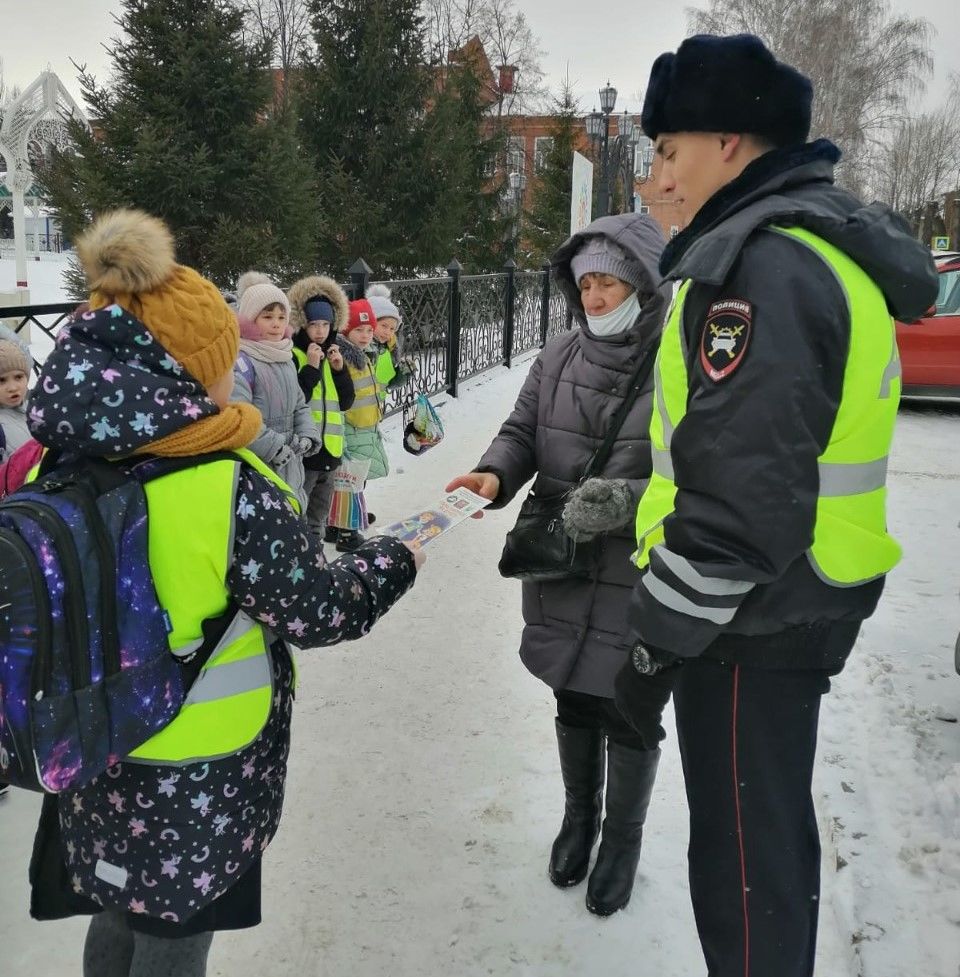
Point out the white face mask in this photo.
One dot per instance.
(618, 321)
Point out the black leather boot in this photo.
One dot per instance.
(581, 764)
(630, 778)
(348, 540)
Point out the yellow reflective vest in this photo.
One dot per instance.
(324, 406)
(851, 545)
(367, 406)
(384, 370)
(191, 528)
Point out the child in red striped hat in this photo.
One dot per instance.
(362, 438)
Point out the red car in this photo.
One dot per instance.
(930, 347)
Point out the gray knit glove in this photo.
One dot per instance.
(597, 506)
(305, 446)
(282, 458)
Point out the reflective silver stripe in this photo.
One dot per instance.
(334, 430)
(661, 406)
(821, 573)
(367, 383)
(669, 597)
(838, 479)
(693, 578)
(663, 463)
(231, 679)
(239, 626)
(893, 372)
(370, 401)
(323, 408)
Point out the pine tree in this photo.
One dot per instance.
(362, 115)
(478, 232)
(183, 130)
(547, 224)
(400, 146)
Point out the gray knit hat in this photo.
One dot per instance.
(383, 308)
(255, 296)
(601, 256)
(14, 358)
(14, 352)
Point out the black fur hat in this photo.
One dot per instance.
(727, 84)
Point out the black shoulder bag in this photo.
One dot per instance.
(537, 548)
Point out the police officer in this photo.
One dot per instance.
(762, 538)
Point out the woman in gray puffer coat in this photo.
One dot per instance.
(265, 375)
(574, 637)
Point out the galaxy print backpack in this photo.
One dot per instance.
(86, 674)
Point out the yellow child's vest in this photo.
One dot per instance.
(324, 405)
(384, 371)
(367, 407)
(191, 529)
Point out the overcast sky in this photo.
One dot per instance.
(38, 33)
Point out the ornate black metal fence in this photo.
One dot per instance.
(453, 328)
(47, 318)
(457, 327)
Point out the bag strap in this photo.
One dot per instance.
(639, 378)
(247, 371)
(408, 407)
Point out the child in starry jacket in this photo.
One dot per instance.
(265, 375)
(161, 854)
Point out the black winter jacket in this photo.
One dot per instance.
(575, 634)
(745, 454)
(109, 388)
(308, 378)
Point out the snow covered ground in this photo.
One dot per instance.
(44, 277)
(424, 788)
(45, 281)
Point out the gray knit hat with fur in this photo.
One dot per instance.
(601, 256)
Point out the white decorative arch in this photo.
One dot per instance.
(34, 121)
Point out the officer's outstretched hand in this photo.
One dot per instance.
(641, 699)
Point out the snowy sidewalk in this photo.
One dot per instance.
(424, 788)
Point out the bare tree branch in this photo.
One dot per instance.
(505, 34)
(864, 61)
(285, 26)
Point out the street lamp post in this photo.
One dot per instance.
(518, 184)
(623, 149)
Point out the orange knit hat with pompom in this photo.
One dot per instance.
(128, 257)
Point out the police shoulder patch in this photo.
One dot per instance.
(726, 336)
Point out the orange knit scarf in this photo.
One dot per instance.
(235, 426)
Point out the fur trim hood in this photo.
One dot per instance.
(352, 354)
(324, 286)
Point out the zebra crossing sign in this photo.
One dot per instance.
(940, 243)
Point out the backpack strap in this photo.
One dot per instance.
(247, 371)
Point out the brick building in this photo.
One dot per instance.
(529, 141)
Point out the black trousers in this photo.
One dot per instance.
(583, 711)
(747, 739)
